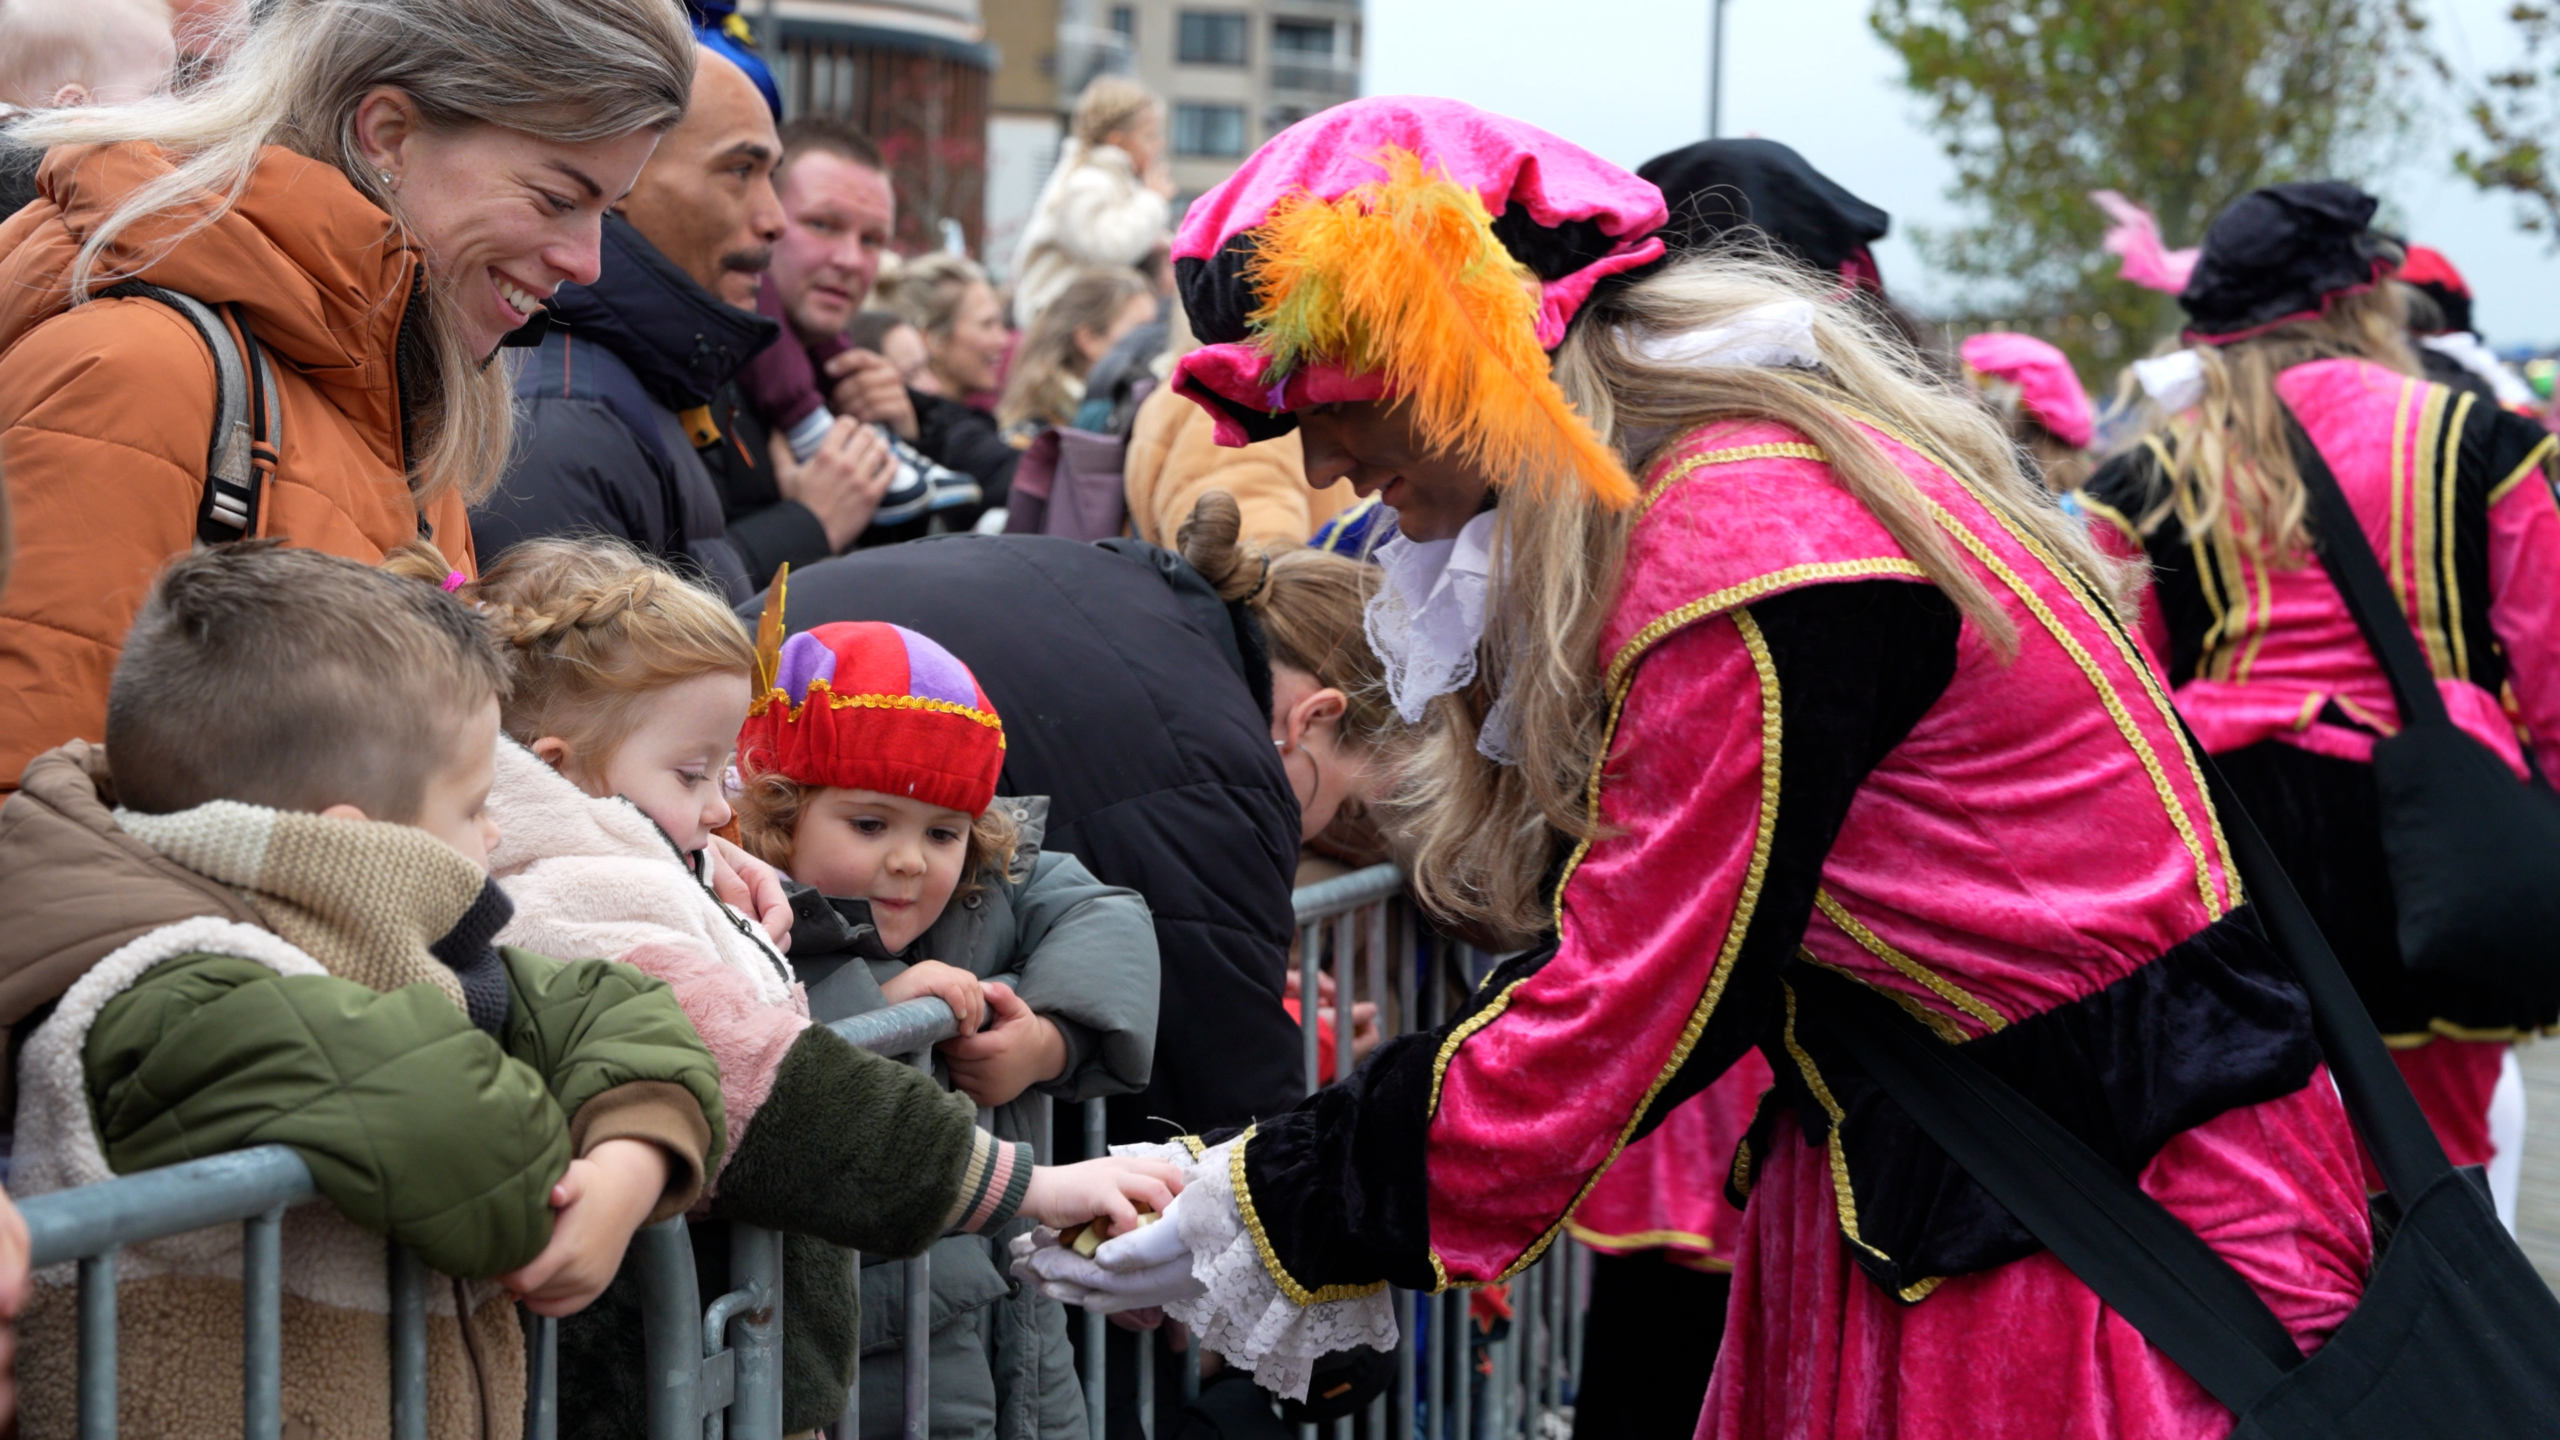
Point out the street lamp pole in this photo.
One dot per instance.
(1715, 74)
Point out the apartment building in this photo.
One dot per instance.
(917, 75)
(1233, 73)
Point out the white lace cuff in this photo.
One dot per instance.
(1245, 1316)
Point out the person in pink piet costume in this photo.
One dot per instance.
(2290, 309)
(1749, 668)
(2033, 385)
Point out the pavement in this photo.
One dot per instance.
(2538, 1203)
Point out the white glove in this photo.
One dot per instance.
(1137, 1271)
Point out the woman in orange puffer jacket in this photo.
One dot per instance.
(382, 192)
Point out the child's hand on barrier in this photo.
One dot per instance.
(949, 984)
(601, 1200)
(1017, 1051)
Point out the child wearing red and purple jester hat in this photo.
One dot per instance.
(869, 767)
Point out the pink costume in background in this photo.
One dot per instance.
(2271, 671)
(1667, 1190)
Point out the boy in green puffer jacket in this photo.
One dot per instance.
(315, 739)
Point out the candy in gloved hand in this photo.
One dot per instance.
(1141, 1270)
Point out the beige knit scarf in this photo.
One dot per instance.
(363, 897)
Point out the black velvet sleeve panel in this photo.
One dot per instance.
(1339, 1187)
(2216, 1023)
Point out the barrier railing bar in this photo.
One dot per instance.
(1307, 934)
(1327, 898)
(670, 1337)
(1345, 981)
(408, 1345)
(262, 1326)
(901, 1029)
(1147, 1383)
(1462, 1337)
(541, 1377)
(216, 1190)
(1096, 1331)
(98, 1346)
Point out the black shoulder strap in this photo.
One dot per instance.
(2348, 557)
(2123, 1244)
(243, 447)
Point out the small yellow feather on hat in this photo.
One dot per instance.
(1404, 278)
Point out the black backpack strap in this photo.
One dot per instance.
(2348, 557)
(2139, 1258)
(243, 448)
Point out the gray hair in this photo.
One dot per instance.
(566, 70)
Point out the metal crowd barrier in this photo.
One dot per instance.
(1455, 1380)
(715, 1371)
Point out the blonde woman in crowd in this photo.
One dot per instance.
(1046, 380)
(1105, 203)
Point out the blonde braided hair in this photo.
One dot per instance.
(591, 629)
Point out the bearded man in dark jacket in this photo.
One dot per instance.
(633, 426)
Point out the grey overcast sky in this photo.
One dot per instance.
(1627, 78)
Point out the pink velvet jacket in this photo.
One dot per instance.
(2452, 498)
(1813, 760)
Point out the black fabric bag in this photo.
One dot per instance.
(2455, 1338)
(2474, 854)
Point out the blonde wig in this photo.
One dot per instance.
(1482, 835)
(2229, 460)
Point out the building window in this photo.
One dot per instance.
(1303, 58)
(1124, 21)
(1294, 38)
(1216, 131)
(1211, 37)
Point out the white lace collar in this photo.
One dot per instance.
(1427, 618)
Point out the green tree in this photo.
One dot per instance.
(2182, 105)
(2512, 110)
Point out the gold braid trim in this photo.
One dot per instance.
(1297, 1293)
(1845, 1198)
(2112, 516)
(2448, 509)
(2108, 622)
(2532, 462)
(791, 713)
(1772, 731)
(1649, 1240)
(1874, 944)
(2446, 1030)
(1742, 594)
(2107, 696)
(1779, 450)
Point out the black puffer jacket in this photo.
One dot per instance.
(629, 420)
(1135, 700)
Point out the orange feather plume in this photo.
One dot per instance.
(1404, 278)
